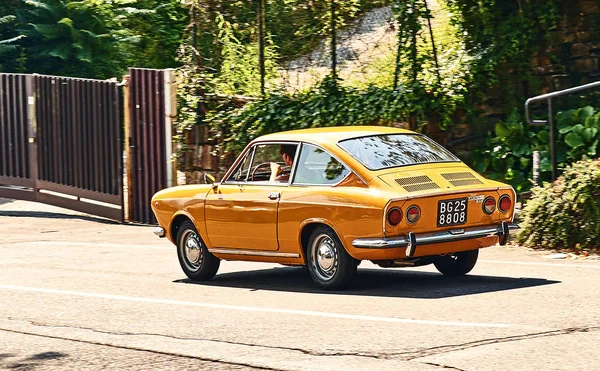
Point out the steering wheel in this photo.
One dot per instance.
(255, 169)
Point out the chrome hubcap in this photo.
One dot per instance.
(324, 256)
(193, 250)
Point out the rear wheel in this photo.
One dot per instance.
(457, 264)
(329, 264)
(195, 259)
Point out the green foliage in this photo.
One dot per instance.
(580, 130)
(298, 26)
(155, 30)
(565, 214)
(328, 105)
(410, 14)
(72, 35)
(502, 37)
(91, 38)
(9, 53)
(509, 158)
(239, 72)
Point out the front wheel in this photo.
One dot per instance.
(195, 259)
(457, 264)
(329, 264)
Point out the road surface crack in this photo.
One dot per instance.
(406, 356)
(442, 366)
(133, 348)
(125, 333)
(473, 344)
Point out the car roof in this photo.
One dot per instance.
(331, 135)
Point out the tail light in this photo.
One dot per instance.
(505, 203)
(394, 216)
(489, 205)
(413, 214)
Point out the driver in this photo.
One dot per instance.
(287, 152)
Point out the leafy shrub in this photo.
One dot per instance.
(329, 105)
(566, 213)
(509, 158)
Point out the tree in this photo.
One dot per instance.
(89, 38)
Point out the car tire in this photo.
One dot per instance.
(457, 264)
(195, 259)
(329, 264)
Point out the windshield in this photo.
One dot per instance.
(384, 151)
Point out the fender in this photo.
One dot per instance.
(327, 222)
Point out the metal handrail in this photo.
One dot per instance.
(550, 122)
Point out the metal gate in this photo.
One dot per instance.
(61, 143)
(149, 111)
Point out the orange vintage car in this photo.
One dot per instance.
(329, 198)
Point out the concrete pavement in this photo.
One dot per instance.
(78, 292)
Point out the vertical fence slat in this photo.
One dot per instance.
(43, 155)
(19, 132)
(27, 92)
(75, 138)
(152, 108)
(11, 124)
(3, 129)
(32, 130)
(86, 135)
(106, 153)
(144, 147)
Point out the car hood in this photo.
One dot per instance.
(435, 178)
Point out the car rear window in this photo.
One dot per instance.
(384, 151)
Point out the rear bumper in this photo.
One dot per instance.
(412, 240)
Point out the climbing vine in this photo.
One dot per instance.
(504, 37)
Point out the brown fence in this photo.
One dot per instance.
(14, 132)
(148, 139)
(61, 143)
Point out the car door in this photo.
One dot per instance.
(241, 212)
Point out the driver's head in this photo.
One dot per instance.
(288, 151)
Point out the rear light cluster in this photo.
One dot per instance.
(413, 213)
(489, 205)
(394, 215)
(504, 204)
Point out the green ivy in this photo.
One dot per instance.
(329, 105)
(503, 37)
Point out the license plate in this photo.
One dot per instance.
(452, 212)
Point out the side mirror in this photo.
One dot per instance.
(209, 179)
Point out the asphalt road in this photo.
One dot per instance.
(78, 292)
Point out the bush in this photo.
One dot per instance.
(566, 213)
(509, 159)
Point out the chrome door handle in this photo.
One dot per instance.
(274, 195)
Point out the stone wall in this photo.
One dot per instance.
(199, 155)
(573, 57)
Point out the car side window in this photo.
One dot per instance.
(272, 162)
(241, 172)
(266, 163)
(316, 166)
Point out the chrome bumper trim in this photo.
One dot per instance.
(159, 231)
(452, 235)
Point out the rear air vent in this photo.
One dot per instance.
(461, 179)
(416, 183)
